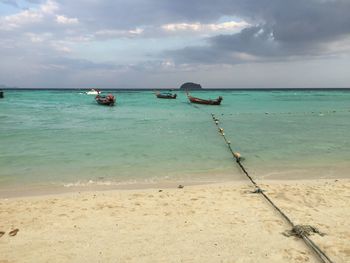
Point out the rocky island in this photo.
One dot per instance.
(190, 86)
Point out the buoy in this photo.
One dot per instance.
(228, 142)
(221, 130)
(237, 155)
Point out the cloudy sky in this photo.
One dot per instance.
(163, 43)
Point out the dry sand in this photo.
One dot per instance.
(210, 223)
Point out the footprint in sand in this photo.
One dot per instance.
(2, 233)
(13, 232)
(61, 215)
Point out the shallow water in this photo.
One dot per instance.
(65, 138)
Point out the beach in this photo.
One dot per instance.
(221, 222)
(174, 131)
(80, 182)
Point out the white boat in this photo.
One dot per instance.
(93, 92)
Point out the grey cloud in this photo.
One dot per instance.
(280, 30)
(290, 27)
(255, 40)
(78, 64)
(251, 44)
(286, 29)
(303, 21)
(126, 14)
(290, 20)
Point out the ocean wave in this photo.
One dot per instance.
(142, 182)
(98, 183)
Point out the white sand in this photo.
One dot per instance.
(211, 223)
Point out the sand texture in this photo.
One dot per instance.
(210, 223)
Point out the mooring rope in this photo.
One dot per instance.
(298, 230)
(301, 113)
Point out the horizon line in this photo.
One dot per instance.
(177, 89)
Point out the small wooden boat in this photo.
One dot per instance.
(202, 101)
(93, 92)
(165, 95)
(108, 100)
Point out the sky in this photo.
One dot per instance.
(164, 43)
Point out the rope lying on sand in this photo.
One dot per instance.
(302, 231)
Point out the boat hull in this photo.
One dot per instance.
(162, 96)
(105, 100)
(205, 102)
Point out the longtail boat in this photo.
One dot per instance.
(165, 95)
(202, 101)
(108, 100)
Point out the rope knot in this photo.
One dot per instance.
(258, 190)
(303, 230)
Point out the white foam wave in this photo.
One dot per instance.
(97, 183)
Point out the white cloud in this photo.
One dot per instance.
(50, 7)
(168, 64)
(60, 19)
(242, 56)
(110, 33)
(226, 26)
(181, 26)
(17, 20)
(35, 38)
(61, 46)
(137, 31)
(27, 17)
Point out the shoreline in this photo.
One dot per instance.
(37, 191)
(17, 188)
(221, 222)
(18, 191)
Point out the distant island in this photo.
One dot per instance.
(190, 86)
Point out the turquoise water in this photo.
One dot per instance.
(64, 138)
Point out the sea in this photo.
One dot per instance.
(62, 139)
